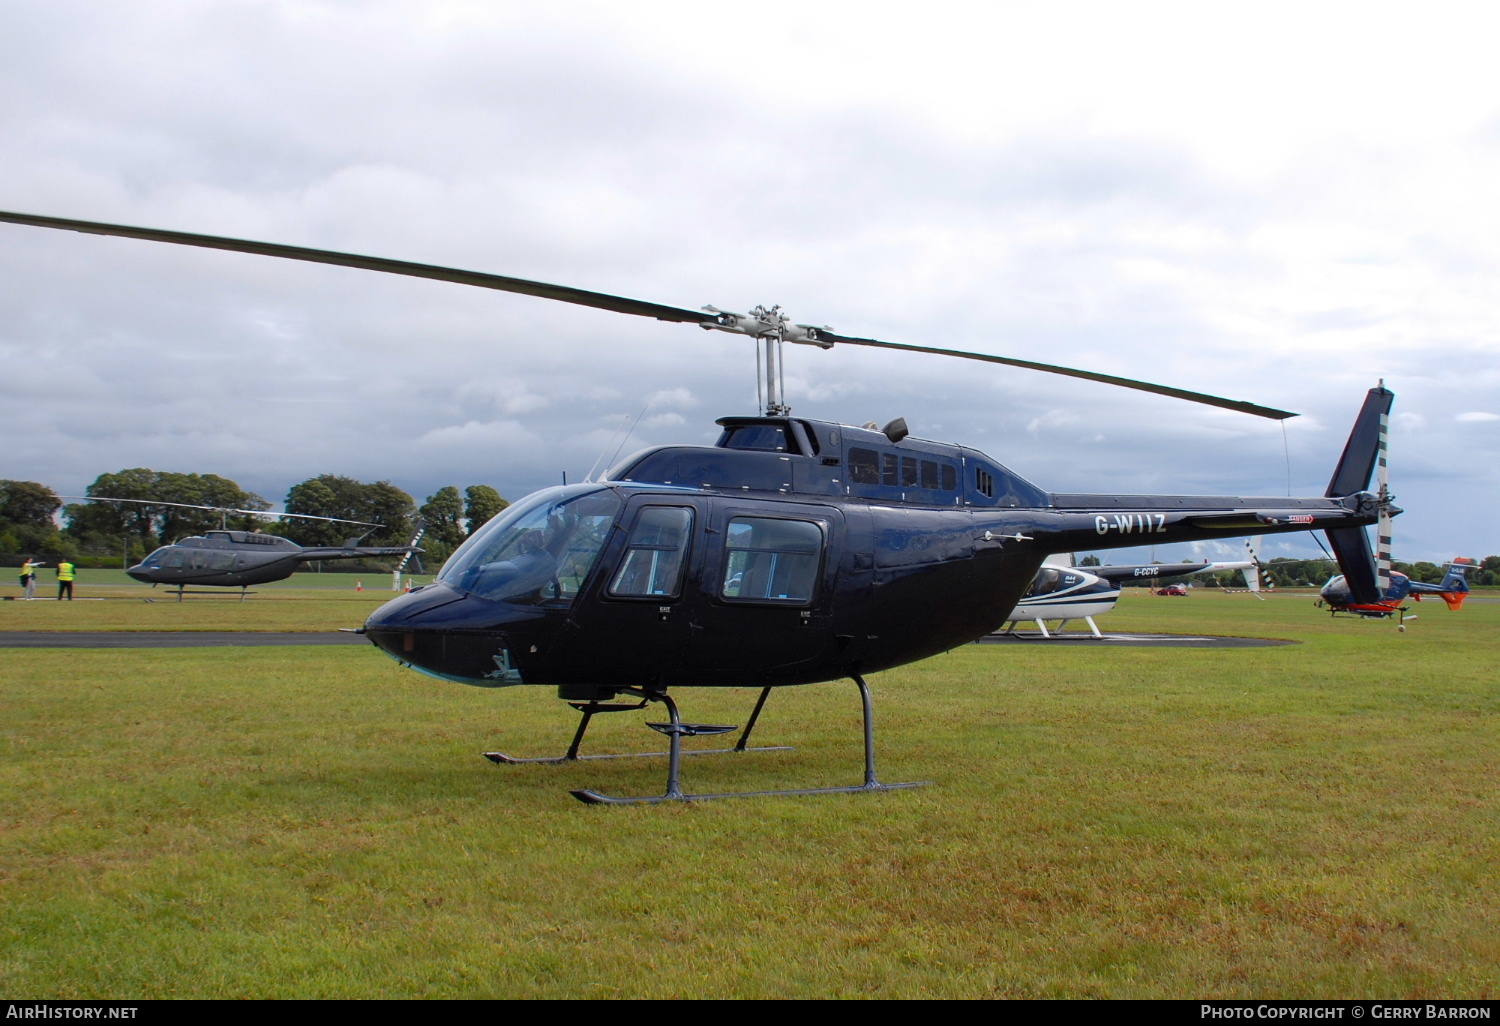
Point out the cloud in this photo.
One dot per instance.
(1052, 419)
(673, 398)
(1033, 185)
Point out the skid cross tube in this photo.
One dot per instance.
(676, 729)
(589, 709)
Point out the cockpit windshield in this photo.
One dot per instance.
(157, 558)
(539, 551)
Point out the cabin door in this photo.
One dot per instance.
(765, 593)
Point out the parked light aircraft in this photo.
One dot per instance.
(1067, 593)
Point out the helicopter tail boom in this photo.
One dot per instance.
(355, 552)
(1342, 513)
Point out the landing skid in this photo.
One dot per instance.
(676, 730)
(595, 798)
(590, 709)
(1041, 626)
(501, 759)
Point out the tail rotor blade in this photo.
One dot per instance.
(1383, 526)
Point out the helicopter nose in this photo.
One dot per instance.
(449, 634)
(139, 573)
(413, 608)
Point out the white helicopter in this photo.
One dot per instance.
(1065, 592)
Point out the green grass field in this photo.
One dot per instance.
(107, 600)
(1309, 820)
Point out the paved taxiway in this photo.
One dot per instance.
(170, 639)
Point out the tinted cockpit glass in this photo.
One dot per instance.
(157, 558)
(766, 437)
(538, 551)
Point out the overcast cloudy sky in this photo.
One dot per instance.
(1274, 202)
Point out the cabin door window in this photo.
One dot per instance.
(772, 560)
(654, 557)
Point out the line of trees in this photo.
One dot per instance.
(129, 530)
(26, 518)
(103, 527)
(28, 526)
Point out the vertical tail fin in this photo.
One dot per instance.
(1455, 585)
(1351, 545)
(1357, 464)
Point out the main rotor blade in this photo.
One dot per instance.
(583, 297)
(1051, 368)
(218, 509)
(563, 293)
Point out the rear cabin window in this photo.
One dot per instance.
(654, 558)
(772, 560)
(864, 467)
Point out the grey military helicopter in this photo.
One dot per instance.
(242, 559)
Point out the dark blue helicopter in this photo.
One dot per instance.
(794, 551)
(242, 559)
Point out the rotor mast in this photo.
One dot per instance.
(771, 327)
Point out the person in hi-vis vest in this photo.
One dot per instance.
(65, 575)
(28, 577)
